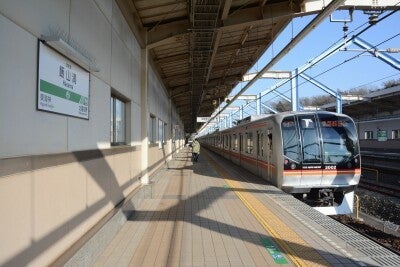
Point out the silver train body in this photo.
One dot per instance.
(312, 155)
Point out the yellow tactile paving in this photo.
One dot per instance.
(298, 250)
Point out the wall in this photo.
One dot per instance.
(59, 175)
(387, 125)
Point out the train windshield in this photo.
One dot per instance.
(339, 138)
(310, 139)
(290, 137)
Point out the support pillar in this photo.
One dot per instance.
(170, 152)
(295, 94)
(339, 103)
(144, 62)
(259, 104)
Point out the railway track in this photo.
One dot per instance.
(389, 190)
(389, 241)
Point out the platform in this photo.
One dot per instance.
(211, 213)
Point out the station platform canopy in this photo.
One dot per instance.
(202, 49)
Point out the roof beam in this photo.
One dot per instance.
(161, 5)
(177, 77)
(225, 9)
(235, 65)
(228, 48)
(251, 16)
(229, 80)
(177, 91)
(224, 16)
(168, 33)
(175, 31)
(133, 20)
(174, 58)
(215, 49)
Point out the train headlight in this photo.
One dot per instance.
(293, 166)
(286, 162)
(356, 160)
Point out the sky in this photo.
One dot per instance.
(360, 70)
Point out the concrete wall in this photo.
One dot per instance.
(59, 175)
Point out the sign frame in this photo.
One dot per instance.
(63, 86)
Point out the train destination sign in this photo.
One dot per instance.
(334, 123)
(63, 86)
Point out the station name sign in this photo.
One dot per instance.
(63, 86)
(203, 119)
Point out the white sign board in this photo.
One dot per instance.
(203, 119)
(63, 86)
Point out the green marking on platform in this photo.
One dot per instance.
(273, 251)
(227, 186)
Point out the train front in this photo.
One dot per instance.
(321, 163)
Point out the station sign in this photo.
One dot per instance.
(63, 86)
(382, 136)
(203, 119)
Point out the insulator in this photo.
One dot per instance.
(373, 19)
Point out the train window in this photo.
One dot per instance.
(339, 139)
(270, 140)
(396, 134)
(234, 145)
(309, 134)
(368, 135)
(291, 148)
(249, 142)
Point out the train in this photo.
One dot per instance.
(314, 156)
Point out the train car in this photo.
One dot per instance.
(312, 155)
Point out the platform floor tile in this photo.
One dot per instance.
(197, 219)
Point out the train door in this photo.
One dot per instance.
(240, 147)
(230, 146)
(260, 153)
(269, 156)
(311, 169)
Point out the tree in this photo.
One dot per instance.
(391, 83)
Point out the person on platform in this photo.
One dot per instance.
(195, 150)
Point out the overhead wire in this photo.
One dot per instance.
(349, 59)
(359, 33)
(372, 82)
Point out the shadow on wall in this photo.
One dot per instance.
(100, 172)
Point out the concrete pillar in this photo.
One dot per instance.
(171, 126)
(144, 62)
